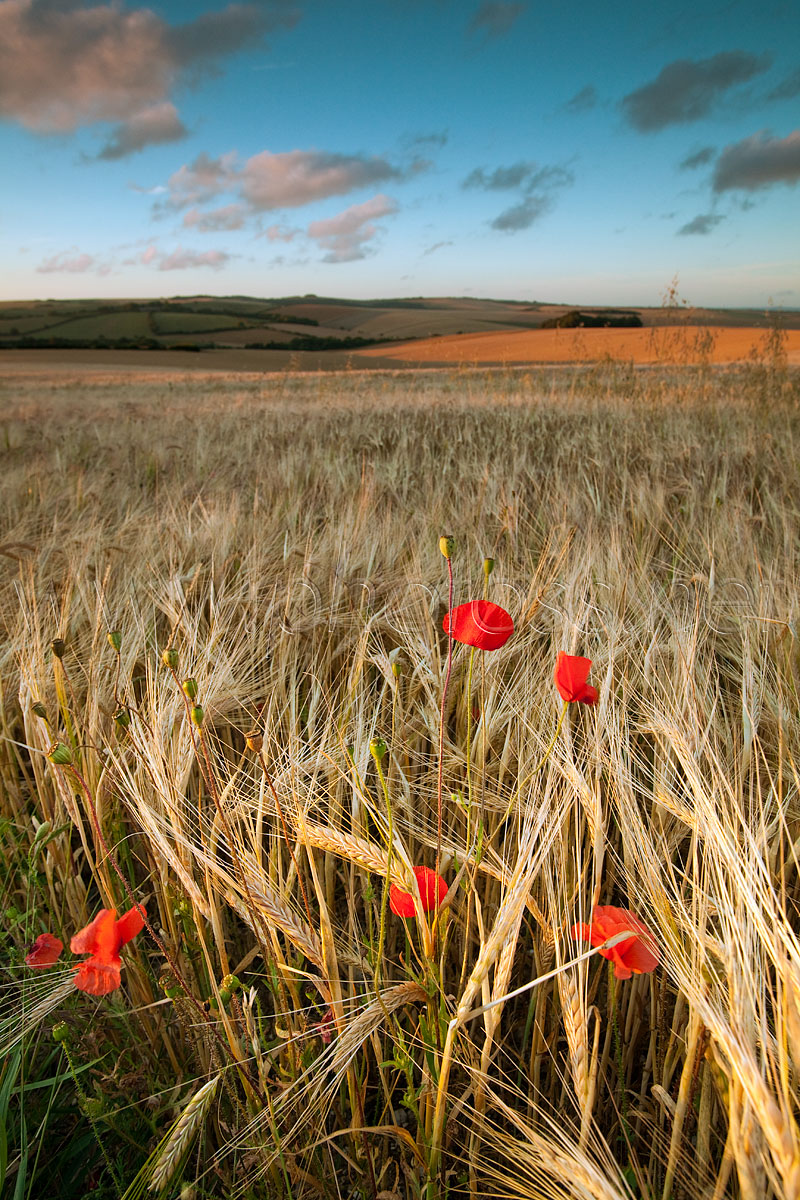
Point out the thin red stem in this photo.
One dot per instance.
(441, 715)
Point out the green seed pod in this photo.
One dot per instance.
(115, 640)
(231, 983)
(61, 1032)
(396, 669)
(39, 710)
(197, 715)
(378, 749)
(169, 657)
(225, 996)
(59, 647)
(122, 717)
(42, 831)
(488, 566)
(190, 688)
(447, 545)
(59, 754)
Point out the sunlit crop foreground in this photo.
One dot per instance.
(277, 542)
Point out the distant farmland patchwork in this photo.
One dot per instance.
(312, 332)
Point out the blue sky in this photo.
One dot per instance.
(575, 152)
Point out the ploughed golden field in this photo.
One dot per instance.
(674, 344)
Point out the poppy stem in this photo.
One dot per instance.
(441, 716)
(612, 1004)
(469, 745)
(88, 1111)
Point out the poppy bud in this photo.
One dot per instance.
(59, 754)
(59, 647)
(190, 688)
(254, 741)
(378, 749)
(197, 715)
(115, 640)
(169, 657)
(447, 545)
(122, 717)
(169, 985)
(42, 831)
(488, 566)
(61, 1032)
(225, 996)
(39, 710)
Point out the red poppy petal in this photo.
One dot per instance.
(401, 903)
(588, 694)
(432, 888)
(479, 623)
(45, 951)
(641, 958)
(97, 935)
(638, 953)
(130, 923)
(570, 676)
(97, 977)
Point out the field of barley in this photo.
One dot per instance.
(227, 696)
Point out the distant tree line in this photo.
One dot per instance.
(582, 320)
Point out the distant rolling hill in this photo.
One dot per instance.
(248, 333)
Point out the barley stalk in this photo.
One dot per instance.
(182, 1135)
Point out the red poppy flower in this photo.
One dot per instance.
(45, 951)
(636, 955)
(571, 675)
(432, 891)
(103, 939)
(479, 623)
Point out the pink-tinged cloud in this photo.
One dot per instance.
(232, 216)
(281, 233)
(186, 260)
(297, 177)
(151, 127)
(346, 236)
(202, 180)
(68, 64)
(67, 262)
(758, 162)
